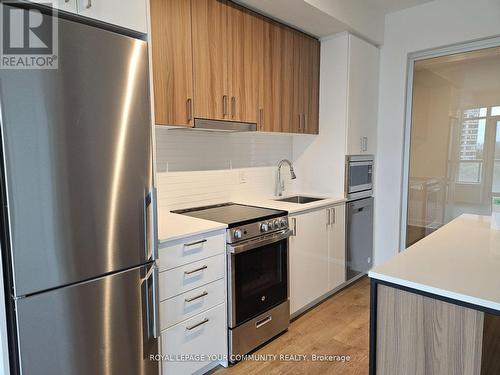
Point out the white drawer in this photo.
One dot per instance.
(190, 276)
(190, 249)
(187, 305)
(208, 338)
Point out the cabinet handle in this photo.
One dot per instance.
(66, 1)
(195, 243)
(305, 122)
(294, 226)
(89, 4)
(189, 328)
(300, 123)
(196, 297)
(261, 119)
(328, 221)
(233, 106)
(334, 218)
(196, 270)
(189, 109)
(224, 105)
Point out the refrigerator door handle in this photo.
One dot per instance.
(152, 302)
(154, 235)
(151, 225)
(156, 303)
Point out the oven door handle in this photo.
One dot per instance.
(266, 240)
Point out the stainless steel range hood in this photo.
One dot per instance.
(223, 126)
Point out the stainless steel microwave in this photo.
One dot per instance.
(359, 176)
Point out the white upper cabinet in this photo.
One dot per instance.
(67, 5)
(131, 14)
(362, 100)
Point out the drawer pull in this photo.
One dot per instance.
(263, 322)
(195, 243)
(196, 297)
(196, 270)
(189, 328)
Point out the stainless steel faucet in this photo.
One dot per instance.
(280, 183)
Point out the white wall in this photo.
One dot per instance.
(435, 24)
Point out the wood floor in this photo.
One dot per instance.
(339, 326)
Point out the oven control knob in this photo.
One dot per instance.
(276, 224)
(271, 225)
(282, 223)
(238, 234)
(264, 227)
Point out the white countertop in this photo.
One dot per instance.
(174, 226)
(292, 208)
(460, 261)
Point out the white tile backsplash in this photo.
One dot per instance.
(199, 188)
(189, 150)
(201, 168)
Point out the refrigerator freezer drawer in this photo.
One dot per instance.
(191, 276)
(186, 305)
(96, 327)
(204, 334)
(190, 249)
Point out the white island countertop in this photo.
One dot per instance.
(174, 226)
(460, 261)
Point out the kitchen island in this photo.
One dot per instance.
(435, 307)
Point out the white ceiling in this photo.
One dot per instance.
(326, 17)
(390, 6)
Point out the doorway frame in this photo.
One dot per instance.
(412, 58)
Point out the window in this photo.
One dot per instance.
(496, 167)
(495, 111)
(472, 146)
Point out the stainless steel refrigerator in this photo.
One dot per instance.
(78, 219)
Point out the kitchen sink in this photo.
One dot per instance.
(300, 199)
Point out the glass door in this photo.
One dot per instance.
(455, 140)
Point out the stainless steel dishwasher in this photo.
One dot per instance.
(359, 237)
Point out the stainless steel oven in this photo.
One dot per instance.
(258, 289)
(359, 176)
(257, 261)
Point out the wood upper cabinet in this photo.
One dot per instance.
(210, 59)
(305, 84)
(245, 61)
(276, 96)
(172, 62)
(213, 59)
(312, 125)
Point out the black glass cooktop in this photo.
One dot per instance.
(232, 214)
